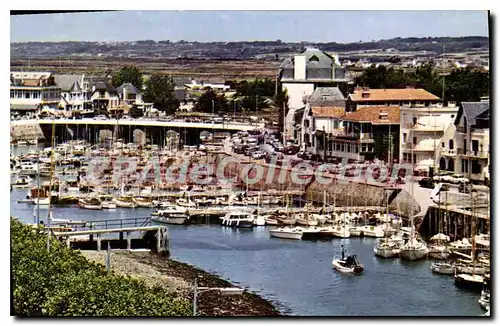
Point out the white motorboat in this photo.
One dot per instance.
(271, 221)
(238, 219)
(184, 202)
(354, 231)
(443, 268)
(108, 204)
(414, 249)
(67, 222)
(125, 202)
(260, 220)
(460, 246)
(22, 181)
(28, 168)
(469, 268)
(176, 219)
(305, 221)
(372, 231)
(144, 202)
(286, 233)
(90, 203)
(340, 232)
(44, 201)
(167, 208)
(386, 248)
(469, 281)
(484, 300)
(438, 251)
(347, 265)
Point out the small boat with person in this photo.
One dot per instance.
(347, 265)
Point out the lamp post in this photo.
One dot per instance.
(223, 291)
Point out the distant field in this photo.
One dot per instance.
(241, 69)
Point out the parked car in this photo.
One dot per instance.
(100, 117)
(258, 155)
(427, 183)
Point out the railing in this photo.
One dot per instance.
(114, 223)
(482, 154)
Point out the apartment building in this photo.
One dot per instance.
(421, 131)
(33, 91)
(364, 96)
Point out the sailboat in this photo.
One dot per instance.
(347, 265)
(471, 281)
(387, 247)
(414, 248)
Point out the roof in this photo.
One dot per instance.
(472, 111)
(131, 89)
(102, 86)
(324, 60)
(327, 96)
(320, 66)
(328, 111)
(392, 94)
(76, 87)
(66, 82)
(371, 114)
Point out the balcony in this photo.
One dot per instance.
(475, 154)
(419, 147)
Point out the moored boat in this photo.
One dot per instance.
(443, 268)
(93, 203)
(286, 233)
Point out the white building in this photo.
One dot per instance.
(32, 91)
(302, 74)
(322, 113)
(421, 130)
(465, 146)
(74, 93)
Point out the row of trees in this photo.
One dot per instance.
(460, 85)
(250, 96)
(61, 282)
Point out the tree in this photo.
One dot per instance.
(128, 74)
(210, 102)
(160, 91)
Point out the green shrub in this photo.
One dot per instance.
(62, 282)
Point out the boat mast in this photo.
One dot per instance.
(49, 215)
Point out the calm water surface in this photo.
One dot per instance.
(298, 275)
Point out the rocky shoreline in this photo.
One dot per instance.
(176, 276)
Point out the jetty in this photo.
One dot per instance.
(127, 234)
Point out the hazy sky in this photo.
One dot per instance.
(205, 26)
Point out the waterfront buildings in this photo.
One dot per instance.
(74, 93)
(421, 131)
(104, 96)
(321, 114)
(370, 132)
(32, 91)
(301, 74)
(365, 96)
(465, 146)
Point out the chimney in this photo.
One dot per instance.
(299, 67)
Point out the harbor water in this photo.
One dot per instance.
(297, 275)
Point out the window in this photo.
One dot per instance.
(452, 116)
(414, 140)
(35, 95)
(27, 95)
(306, 123)
(442, 144)
(476, 167)
(465, 145)
(404, 138)
(450, 144)
(11, 94)
(414, 121)
(414, 158)
(314, 58)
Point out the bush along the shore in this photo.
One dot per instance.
(61, 282)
